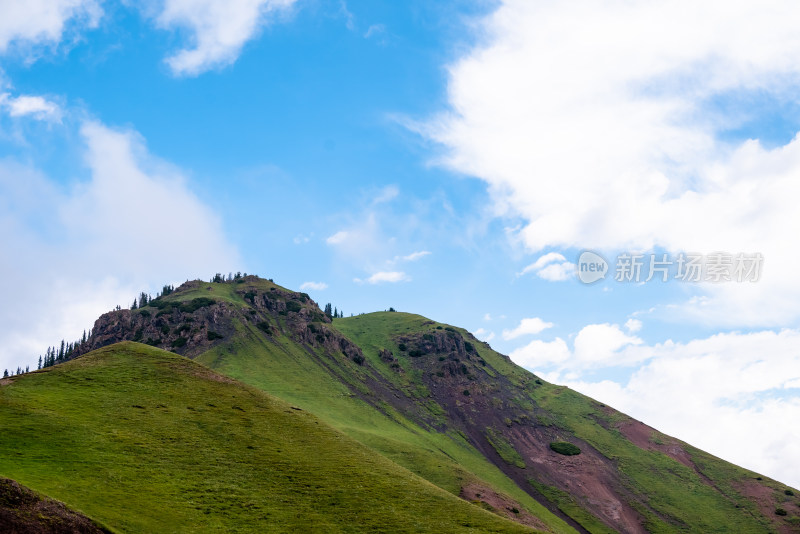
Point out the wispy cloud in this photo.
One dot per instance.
(483, 334)
(314, 286)
(526, 327)
(391, 277)
(338, 238)
(220, 28)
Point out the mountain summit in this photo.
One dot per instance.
(426, 398)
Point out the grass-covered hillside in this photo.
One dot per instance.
(431, 398)
(143, 440)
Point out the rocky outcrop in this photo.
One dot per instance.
(191, 326)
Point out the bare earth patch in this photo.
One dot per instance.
(768, 499)
(24, 512)
(501, 505)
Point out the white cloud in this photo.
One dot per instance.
(133, 224)
(633, 325)
(314, 286)
(528, 326)
(599, 123)
(37, 106)
(414, 256)
(391, 277)
(483, 334)
(375, 30)
(722, 394)
(219, 29)
(598, 344)
(43, 22)
(552, 267)
(540, 353)
(338, 238)
(386, 194)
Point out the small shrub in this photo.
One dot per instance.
(539, 382)
(427, 337)
(195, 304)
(438, 328)
(788, 492)
(402, 347)
(250, 295)
(565, 448)
(165, 329)
(312, 328)
(515, 510)
(415, 353)
(293, 306)
(182, 328)
(213, 335)
(465, 393)
(264, 325)
(144, 313)
(440, 374)
(780, 511)
(442, 358)
(449, 328)
(178, 343)
(469, 347)
(359, 359)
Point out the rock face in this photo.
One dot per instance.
(188, 323)
(24, 512)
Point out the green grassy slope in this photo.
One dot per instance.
(143, 440)
(284, 369)
(694, 492)
(433, 399)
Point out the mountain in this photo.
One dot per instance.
(431, 399)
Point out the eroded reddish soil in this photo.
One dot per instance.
(501, 505)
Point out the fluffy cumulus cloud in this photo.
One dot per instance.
(37, 107)
(608, 125)
(74, 252)
(43, 22)
(218, 28)
(727, 394)
(552, 266)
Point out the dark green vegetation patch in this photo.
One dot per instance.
(565, 448)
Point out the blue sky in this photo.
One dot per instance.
(450, 159)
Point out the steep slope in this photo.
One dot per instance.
(627, 477)
(447, 407)
(144, 440)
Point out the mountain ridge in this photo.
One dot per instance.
(437, 401)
